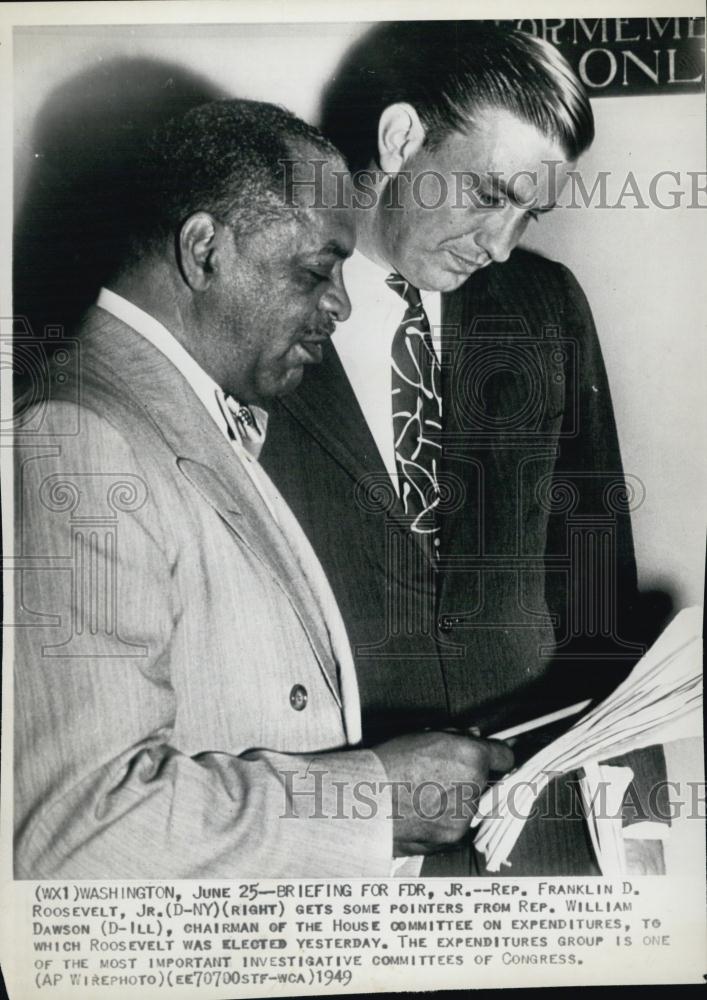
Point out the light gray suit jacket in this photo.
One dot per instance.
(162, 625)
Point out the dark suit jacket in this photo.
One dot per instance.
(532, 602)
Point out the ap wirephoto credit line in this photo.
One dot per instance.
(352, 522)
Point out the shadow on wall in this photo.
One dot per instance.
(81, 191)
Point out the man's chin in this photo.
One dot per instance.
(290, 381)
(445, 279)
(278, 384)
(455, 280)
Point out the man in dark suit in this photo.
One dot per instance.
(454, 460)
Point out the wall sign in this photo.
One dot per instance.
(614, 56)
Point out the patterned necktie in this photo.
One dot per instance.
(417, 410)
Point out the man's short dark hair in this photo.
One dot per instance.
(449, 70)
(226, 158)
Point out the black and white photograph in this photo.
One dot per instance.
(353, 499)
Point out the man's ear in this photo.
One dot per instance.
(196, 250)
(400, 135)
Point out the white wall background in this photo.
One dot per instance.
(643, 269)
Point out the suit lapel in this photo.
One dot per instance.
(452, 308)
(327, 407)
(255, 528)
(204, 456)
(452, 332)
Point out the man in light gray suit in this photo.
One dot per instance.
(185, 699)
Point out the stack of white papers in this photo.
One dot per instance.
(660, 701)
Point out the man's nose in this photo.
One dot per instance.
(502, 231)
(336, 300)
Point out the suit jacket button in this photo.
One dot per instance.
(298, 697)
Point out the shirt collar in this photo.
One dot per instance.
(368, 269)
(362, 272)
(208, 391)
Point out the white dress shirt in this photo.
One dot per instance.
(213, 399)
(365, 341)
